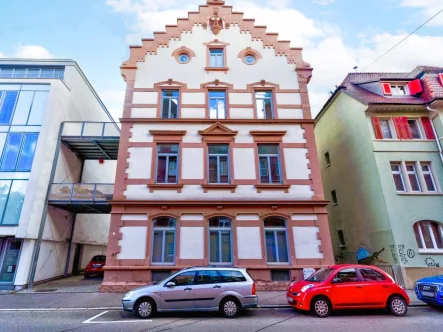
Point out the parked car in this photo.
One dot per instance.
(95, 266)
(348, 287)
(430, 290)
(224, 289)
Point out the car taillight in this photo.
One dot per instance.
(253, 289)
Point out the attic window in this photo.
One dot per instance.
(395, 89)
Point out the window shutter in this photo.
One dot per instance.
(386, 87)
(415, 87)
(440, 78)
(377, 127)
(427, 125)
(399, 127)
(406, 129)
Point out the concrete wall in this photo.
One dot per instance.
(70, 99)
(361, 211)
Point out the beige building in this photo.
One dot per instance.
(217, 162)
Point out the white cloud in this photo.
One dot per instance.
(427, 9)
(324, 2)
(113, 100)
(2, 55)
(32, 52)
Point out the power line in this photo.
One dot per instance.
(401, 41)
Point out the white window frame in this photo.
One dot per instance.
(431, 231)
(399, 172)
(431, 174)
(420, 189)
(219, 230)
(391, 128)
(274, 231)
(163, 231)
(394, 89)
(419, 126)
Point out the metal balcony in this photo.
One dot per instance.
(92, 140)
(82, 197)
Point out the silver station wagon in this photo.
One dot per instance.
(224, 289)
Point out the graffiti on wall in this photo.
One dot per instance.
(402, 253)
(431, 263)
(393, 253)
(410, 253)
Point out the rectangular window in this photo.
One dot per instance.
(170, 104)
(12, 195)
(218, 163)
(263, 100)
(167, 163)
(19, 151)
(413, 178)
(341, 238)
(163, 246)
(280, 275)
(216, 58)
(32, 72)
(334, 197)
(398, 177)
(414, 128)
(399, 90)
(7, 105)
(386, 128)
(328, 159)
(428, 176)
(217, 104)
(269, 163)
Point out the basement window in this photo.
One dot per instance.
(160, 275)
(280, 275)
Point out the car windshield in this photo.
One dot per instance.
(99, 258)
(320, 275)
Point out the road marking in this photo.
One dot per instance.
(90, 320)
(62, 309)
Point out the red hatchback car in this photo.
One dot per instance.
(95, 266)
(348, 287)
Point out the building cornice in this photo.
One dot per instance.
(223, 121)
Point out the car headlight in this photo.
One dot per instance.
(305, 288)
(129, 295)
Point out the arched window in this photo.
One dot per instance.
(163, 241)
(429, 235)
(220, 249)
(276, 240)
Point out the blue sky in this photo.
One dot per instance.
(336, 34)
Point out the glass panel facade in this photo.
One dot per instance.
(18, 153)
(7, 105)
(12, 195)
(31, 72)
(8, 264)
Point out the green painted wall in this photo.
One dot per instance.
(369, 209)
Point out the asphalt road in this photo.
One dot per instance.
(421, 319)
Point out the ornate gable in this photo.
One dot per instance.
(216, 15)
(217, 129)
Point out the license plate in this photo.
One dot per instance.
(290, 299)
(427, 294)
(96, 265)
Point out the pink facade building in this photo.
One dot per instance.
(217, 161)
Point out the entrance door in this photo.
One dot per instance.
(77, 256)
(9, 260)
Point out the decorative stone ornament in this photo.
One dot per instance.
(216, 24)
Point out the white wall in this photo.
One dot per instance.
(192, 164)
(133, 243)
(306, 242)
(192, 243)
(271, 68)
(68, 100)
(297, 164)
(249, 243)
(139, 163)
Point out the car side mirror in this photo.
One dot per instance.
(170, 284)
(336, 280)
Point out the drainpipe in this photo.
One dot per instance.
(437, 139)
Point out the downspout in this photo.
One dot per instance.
(437, 139)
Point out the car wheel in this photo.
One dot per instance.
(229, 308)
(397, 306)
(321, 307)
(144, 308)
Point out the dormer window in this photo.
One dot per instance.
(398, 90)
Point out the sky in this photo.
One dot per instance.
(336, 35)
